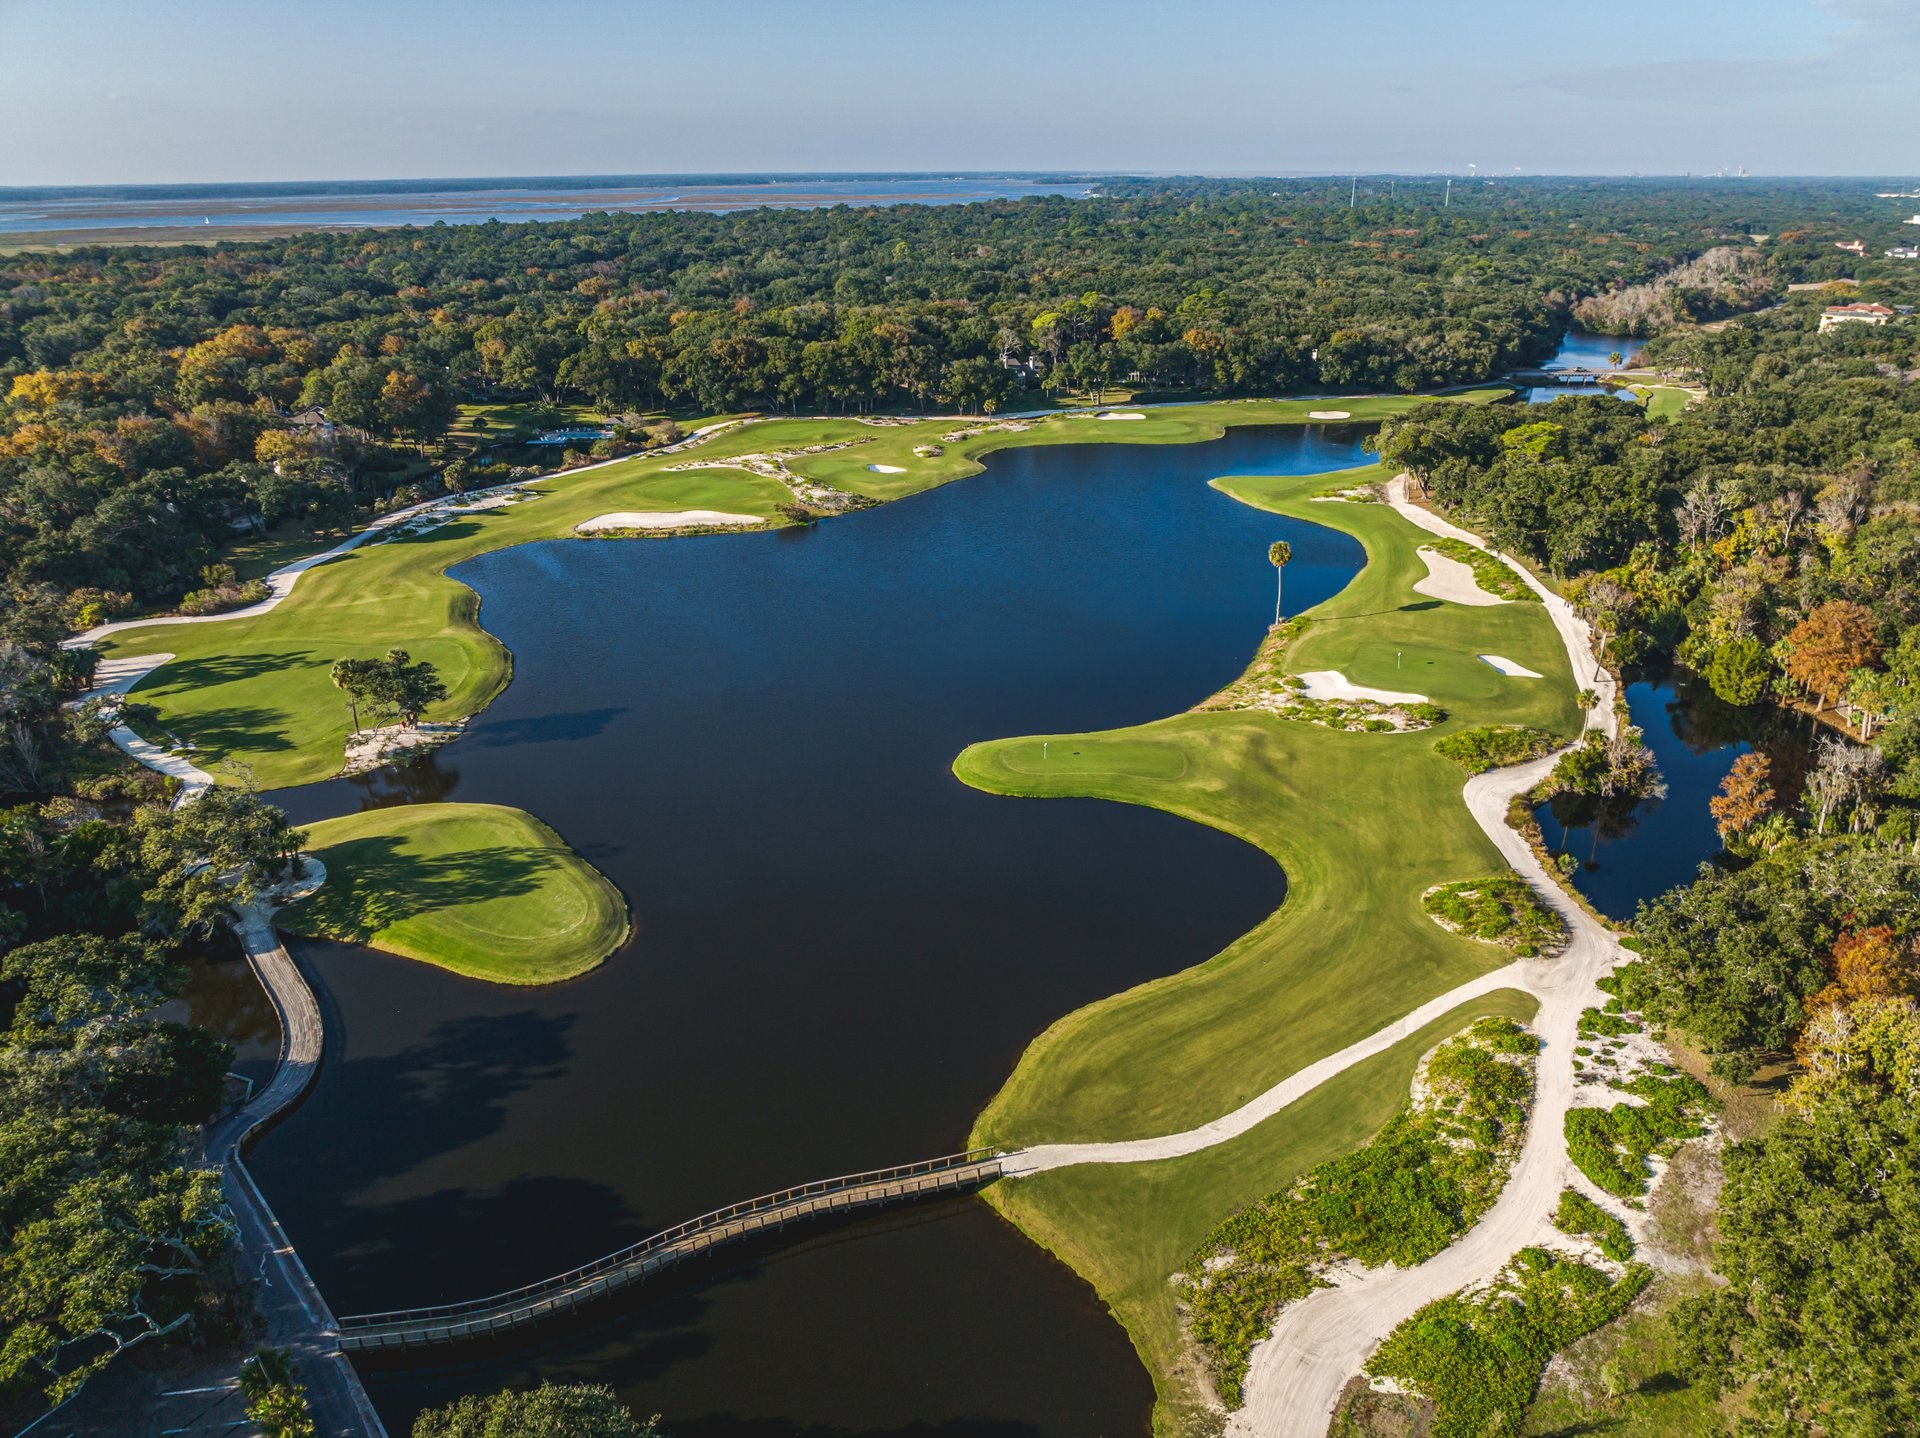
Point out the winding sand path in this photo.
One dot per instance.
(1318, 1343)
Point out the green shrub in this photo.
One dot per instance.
(1489, 573)
(1479, 1358)
(1493, 746)
(1423, 1180)
(1499, 910)
(1611, 1145)
(1579, 1214)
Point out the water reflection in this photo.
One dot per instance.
(1629, 851)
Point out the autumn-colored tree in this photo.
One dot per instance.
(1868, 964)
(1746, 796)
(1827, 646)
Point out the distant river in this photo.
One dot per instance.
(841, 950)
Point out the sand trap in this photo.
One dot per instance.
(1332, 684)
(1329, 414)
(1450, 579)
(664, 519)
(1507, 667)
(886, 469)
(1123, 416)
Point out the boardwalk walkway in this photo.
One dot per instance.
(503, 1312)
(297, 1317)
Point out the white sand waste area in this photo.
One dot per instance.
(1123, 416)
(1450, 579)
(664, 519)
(1332, 684)
(886, 469)
(1507, 667)
(1329, 414)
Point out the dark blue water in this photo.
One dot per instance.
(840, 949)
(1636, 852)
(214, 208)
(1580, 349)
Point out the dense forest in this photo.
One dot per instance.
(150, 394)
(1769, 537)
(157, 405)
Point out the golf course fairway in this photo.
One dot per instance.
(1363, 824)
(486, 891)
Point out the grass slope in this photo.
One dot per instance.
(255, 691)
(1362, 824)
(484, 890)
(1127, 1227)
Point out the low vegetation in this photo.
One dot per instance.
(1578, 1214)
(1499, 909)
(481, 889)
(1611, 1146)
(1422, 1181)
(1493, 746)
(1479, 1356)
(1492, 575)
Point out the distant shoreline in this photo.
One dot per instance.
(189, 214)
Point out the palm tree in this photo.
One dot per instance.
(1278, 553)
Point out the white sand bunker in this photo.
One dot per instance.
(1111, 415)
(1507, 667)
(886, 469)
(664, 519)
(1332, 684)
(1450, 579)
(1329, 414)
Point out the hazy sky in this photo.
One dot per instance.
(98, 91)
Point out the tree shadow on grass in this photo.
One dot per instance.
(213, 669)
(234, 730)
(375, 882)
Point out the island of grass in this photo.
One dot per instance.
(484, 890)
(1363, 824)
(254, 692)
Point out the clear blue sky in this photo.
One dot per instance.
(99, 91)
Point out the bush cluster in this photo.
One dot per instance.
(1425, 1179)
(1611, 1145)
(1479, 1358)
(1493, 746)
(1499, 910)
(1579, 1214)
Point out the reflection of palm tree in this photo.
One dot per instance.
(1278, 553)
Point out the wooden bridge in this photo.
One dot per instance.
(503, 1312)
(1557, 376)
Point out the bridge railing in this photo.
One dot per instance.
(634, 1253)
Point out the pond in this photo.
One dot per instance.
(1635, 853)
(1582, 349)
(840, 951)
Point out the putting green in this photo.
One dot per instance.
(1363, 824)
(256, 693)
(484, 890)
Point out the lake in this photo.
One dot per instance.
(840, 950)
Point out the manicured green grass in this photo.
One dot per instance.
(1127, 1228)
(484, 890)
(256, 691)
(1362, 824)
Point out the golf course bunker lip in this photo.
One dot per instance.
(1329, 414)
(886, 469)
(1452, 580)
(663, 519)
(1130, 414)
(1332, 684)
(1507, 667)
